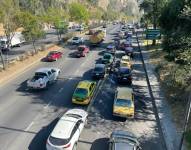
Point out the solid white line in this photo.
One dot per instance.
(45, 107)
(61, 89)
(29, 126)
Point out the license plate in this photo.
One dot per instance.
(125, 78)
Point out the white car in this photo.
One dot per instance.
(77, 40)
(67, 131)
(43, 77)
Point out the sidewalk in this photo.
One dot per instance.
(171, 135)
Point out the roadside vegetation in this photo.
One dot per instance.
(173, 17)
(33, 15)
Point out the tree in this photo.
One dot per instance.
(8, 13)
(33, 29)
(78, 12)
(57, 17)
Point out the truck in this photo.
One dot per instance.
(43, 77)
(16, 40)
(97, 37)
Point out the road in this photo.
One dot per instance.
(28, 117)
(51, 37)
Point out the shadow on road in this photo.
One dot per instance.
(39, 141)
(100, 144)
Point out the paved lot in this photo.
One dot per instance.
(27, 118)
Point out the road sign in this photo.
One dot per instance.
(153, 34)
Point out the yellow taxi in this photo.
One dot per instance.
(84, 92)
(123, 105)
(125, 62)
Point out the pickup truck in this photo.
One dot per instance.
(43, 77)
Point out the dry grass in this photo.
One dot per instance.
(177, 106)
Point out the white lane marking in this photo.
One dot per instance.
(61, 89)
(29, 126)
(45, 107)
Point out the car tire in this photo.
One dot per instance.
(74, 147)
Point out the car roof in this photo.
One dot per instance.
(84, 84)
(125, 57)
(128, 140)
(64, 127)
(99, 66)
(83, 46)
(76, 111)
(107, 54)
(124, 69)
(124, 93)
(44, 69)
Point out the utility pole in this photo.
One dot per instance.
(186, 122)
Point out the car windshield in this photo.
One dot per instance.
(98, 69)
(75, 38)
(74, 116)
(107, 56)
(58, 141)
(39, 75)
(123, 103)
(81, 91)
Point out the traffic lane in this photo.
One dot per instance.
(28, 116)
(42, 135)
(56, 100)
(101, 121)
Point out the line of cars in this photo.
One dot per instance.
(67, 131)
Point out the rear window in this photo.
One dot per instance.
(58, 141)
(41, 74)
(123, 103)
(81, 48)
(99, 69)
(74, 116)
(81, 91)
(75, 38)
(107, 56)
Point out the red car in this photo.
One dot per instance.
(53, 56)
(82, 51)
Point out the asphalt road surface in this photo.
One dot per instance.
(28, 117)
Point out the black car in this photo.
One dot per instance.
(123, 140)
(99, 71)
(124, 75)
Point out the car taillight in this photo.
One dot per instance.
(68, 145)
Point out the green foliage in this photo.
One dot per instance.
(110, 15)
(8, 16)
(78, 12)
(32, 26)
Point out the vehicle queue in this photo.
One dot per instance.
(67, 131)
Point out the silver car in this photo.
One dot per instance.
(123, 140)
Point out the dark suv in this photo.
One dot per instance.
(124, 75)
(123, 140)
(99, 71)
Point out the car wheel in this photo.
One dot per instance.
(75, 147)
